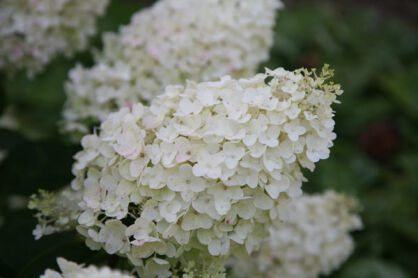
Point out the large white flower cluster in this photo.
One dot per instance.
(314, 240)
(73, 270)
(166, 44)
(32, 32)
(205, 167)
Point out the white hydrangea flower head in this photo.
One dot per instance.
(56, 211)
(206, 167)
(33, 32)
(73, 270)
(314, 240)
(167, 44)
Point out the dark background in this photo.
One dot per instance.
(373, 47)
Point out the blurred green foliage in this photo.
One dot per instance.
(375, 156)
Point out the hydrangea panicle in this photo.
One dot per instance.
(207, 166)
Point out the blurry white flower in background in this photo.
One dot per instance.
(167, 44)
(313, 240)
(33, 32)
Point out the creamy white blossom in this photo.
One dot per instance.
(314, 240)
(205, 167)
(209, 164)
(72, 270)
(33, 32)
(167, 44)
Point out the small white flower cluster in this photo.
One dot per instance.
(164, 45)
(206, 166)
(32, 32)
(56, 211)
(73, 270)
(314, 240)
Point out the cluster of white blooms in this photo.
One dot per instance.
(73, 270)
(32, 32)
(206, 166)
(56, 212)
(314, 240)
(167, 44)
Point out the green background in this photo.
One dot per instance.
(375, 157)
